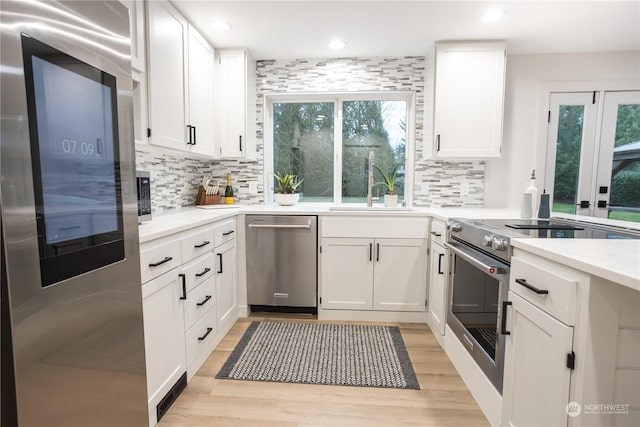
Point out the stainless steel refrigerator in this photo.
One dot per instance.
(72, 328)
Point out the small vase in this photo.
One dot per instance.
(390, 201)
(286, 199)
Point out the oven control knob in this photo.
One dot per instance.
(456, 227)
(499, 244)
(487, 240)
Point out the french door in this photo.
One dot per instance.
(593, 154)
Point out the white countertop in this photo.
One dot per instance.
(180, 220)
(616, 260)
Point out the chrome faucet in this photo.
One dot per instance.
(370, 182)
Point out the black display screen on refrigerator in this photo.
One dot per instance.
(73, 130)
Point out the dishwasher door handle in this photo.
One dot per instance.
(307, 226)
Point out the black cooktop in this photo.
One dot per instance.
(552, 229)
(542, 225)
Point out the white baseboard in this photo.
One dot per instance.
(485, 394)
(373, 316)
(436, 333)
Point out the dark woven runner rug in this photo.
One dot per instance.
(317, 353)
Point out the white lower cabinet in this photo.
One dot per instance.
(164, 337)
(537, 379)
(226, 285)
(373, 273)
(190, 301)
(400, 275)
(347, 273)
(438, 261)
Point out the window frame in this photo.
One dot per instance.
(338, 98)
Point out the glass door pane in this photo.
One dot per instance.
(618, 178)
(303, 145)
(571, 143)
(378, 126)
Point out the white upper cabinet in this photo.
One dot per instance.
(180, 75)
(167, 34)
(200, 96)
(236, 104)
(469, 99)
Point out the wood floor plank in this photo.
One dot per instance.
(443, 399)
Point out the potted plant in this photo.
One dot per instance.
(286, 193)
(389, 181)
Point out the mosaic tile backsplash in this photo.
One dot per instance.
(437, 183)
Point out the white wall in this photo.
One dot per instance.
(505, 178)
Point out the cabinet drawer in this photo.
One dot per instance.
(200, 340)
(438, 232)
(158, 258)
(225, 231)
(196, 243)
(547, 285)
(198, 270)
(199, 300)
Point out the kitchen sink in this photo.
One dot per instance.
(370, 209)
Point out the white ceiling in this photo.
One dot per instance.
(302, 29)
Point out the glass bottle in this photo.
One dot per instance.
(228, 192)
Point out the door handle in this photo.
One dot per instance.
(205, 334)
(219, 263)
(202, 245)
(204, 301)
(240, 140)
(307, 226)
(377, 252)
(529, 286)
(156, 264)
(228, 233)
(184, 286)
(440, 256)
(203, 272)
(370, 251)
(503, 325)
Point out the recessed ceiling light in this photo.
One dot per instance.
(337, 44)
(220, 26)
(494, 15)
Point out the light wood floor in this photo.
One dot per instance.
(442, 401)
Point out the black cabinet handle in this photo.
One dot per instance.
(166, 259)
(438, 142)
(184, 286)
(189, 138)
(370, 251)
(436, 234)
(219, 263)
(377, 252)
(228, 233)
(503, 326)
(203, 272)
(204, 301)
(440, 256)
(202, 245)
(194, 135)
(240, 140)
(524, 283)
(205, 334)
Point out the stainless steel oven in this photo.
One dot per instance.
(478, 289)
(480, 258)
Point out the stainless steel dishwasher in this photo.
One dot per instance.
(282, 262)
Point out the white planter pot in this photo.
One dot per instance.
(390, 201)
(286, 199)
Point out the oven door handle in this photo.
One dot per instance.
(489, 269)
